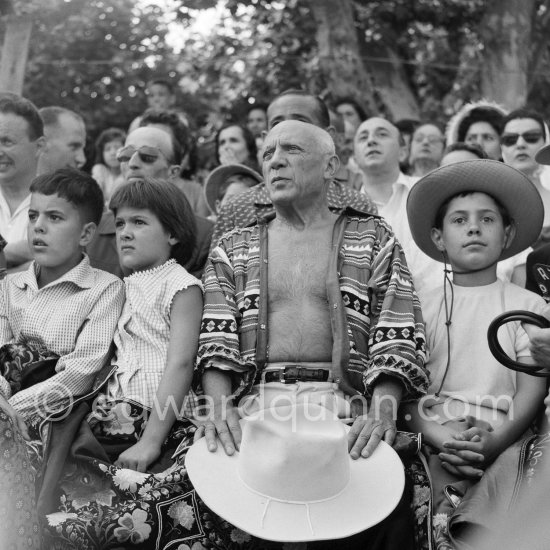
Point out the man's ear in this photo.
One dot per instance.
(87, 233)
(437, 239)
(174, 171)
(404, 153)
(509, 235)
(333, 165)
(332, 131)
(41, 145)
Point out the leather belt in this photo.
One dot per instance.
(290, 374)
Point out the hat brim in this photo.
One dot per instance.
(374, 490)
(543, 155)
(219, 176)
(509, 186)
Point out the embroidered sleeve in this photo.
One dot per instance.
(221, 339)
(397, 341)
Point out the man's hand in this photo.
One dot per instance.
(369, 429)
(139, 456)
(18, 421)
(223, 423)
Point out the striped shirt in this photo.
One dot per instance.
(245, 208)
(75, 317)
(369, 291)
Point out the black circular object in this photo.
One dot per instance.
(496, 348)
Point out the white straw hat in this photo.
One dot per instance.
(509, 186)
(293, 479)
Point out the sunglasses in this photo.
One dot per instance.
(146, 154)
(511, 139)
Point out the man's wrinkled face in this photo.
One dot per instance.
(295, 162)
(376, 145)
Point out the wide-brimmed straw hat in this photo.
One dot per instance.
(543, 155)
(293, 479)
(509, 186)
(220, 175)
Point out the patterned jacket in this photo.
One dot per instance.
(375, 312)
(245, 208)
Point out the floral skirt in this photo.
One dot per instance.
(101, 506)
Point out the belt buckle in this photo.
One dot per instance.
(284, 375)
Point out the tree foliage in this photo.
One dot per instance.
(95, 56)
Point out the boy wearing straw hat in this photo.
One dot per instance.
(470, 215)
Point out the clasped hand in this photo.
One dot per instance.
(469, 452)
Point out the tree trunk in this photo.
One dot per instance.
(506, 34)
(14, 53)
(339, 54)
(391, 82)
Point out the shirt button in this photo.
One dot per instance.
(335, 306)
(262, 327)
(265, 260)
(337, 380)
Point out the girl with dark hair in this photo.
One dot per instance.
(139, 415)
(106, 170)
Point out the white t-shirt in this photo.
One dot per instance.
(476, 382)
(13, 227)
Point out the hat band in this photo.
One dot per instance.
(269, 499)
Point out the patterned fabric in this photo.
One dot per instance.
(105, 507)
(74, 317)
(245, 208)
(19, 527)
(17, 362)
(143, 331)
(374, 289)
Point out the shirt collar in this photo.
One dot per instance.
(82, 275)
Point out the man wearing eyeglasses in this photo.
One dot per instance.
(427, 147)
(147, 152)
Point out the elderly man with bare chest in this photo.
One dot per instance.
(311, 305)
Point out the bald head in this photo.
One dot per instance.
(298, 161)
(65, 134)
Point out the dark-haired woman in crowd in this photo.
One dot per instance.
(235, 144)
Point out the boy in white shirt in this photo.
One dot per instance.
(471, 215)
